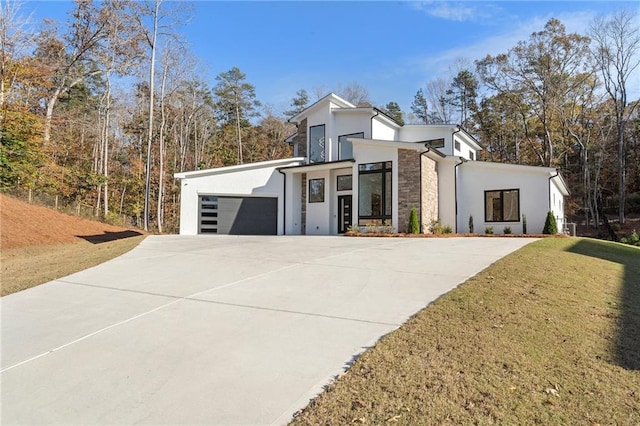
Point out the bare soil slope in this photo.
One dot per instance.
(23, 224)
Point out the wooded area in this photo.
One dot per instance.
(102, 110)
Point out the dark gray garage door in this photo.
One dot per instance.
(238, 215)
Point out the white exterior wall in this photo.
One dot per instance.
(319, 214)
(322, 115)
(415, 133)
(557, 204)
(259, 182)
(382, 131)
(370, 153)
(474, 178)
(345, 124)
(293, 218)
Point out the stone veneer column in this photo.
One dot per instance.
(408, 186)
(303, 205)
(429, 211)
(300, 140)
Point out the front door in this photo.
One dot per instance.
(344, 213)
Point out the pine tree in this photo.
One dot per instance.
(419, 107)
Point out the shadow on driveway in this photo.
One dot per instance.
(109, 236)
(627, 350)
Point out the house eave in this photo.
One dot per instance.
(239, 168)
(329, 165)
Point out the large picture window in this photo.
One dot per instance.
(317, 144)
(345, 148)
(374, 192)
(316, 190)
(502, 205)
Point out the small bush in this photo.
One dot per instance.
(506, 230)
(633, 239)
(447, 229)
(414, 223)
(550, 225)
(488, 230)
(524, 224)
(435, 227)
(471, 224)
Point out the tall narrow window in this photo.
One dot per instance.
(317, 144)
(374, 192)
(502, 205)
(345, 147)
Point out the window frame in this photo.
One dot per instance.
(502, 205)
(338, 183)
(313, 197)
(385, 168)
(352, 135)
(324, 149)
(456, 145)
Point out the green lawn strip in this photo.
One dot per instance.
(536, 338)
(27, 267)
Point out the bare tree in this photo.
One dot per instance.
(616, 46)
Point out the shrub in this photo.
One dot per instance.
(435, 227)
(488, 230)
(633, 239)
(550, 225)
(447, 229)
(506, 230)
(470, 224)
(524, 224)
(414, 223)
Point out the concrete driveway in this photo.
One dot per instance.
(216, 330)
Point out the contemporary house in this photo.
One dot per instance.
(356, 166)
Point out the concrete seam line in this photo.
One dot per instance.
(191, 296)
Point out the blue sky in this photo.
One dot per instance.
(390, 47)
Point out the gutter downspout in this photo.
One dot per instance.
(455, 186)
(284, 203)
(372, 117)
(426, 145)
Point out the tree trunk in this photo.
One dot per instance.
(152, 72)
(622, 175)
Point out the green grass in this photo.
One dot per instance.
(548, 335)
(27, 267)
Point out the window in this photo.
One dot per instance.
(345, 148)
(316, 190)
(316, 144)
(345, 183)
(471, 155)
(502, 205)
(456, 144)
(374, 192)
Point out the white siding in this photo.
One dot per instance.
(474, 178)
(318, 214)
(382, 131)
(348, 123)
(446, 195)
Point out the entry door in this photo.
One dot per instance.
(344, 213)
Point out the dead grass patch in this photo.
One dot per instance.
(547, 335)
(26, 267)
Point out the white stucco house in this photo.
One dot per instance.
(358, 166)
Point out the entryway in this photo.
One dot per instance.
(344, 213)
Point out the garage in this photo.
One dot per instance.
(238, 215)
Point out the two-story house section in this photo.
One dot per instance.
(356, 166)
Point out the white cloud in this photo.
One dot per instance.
(454, 11)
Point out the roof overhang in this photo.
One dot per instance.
(332, 97)
(316, 167)
(240, 168)
(415, 146)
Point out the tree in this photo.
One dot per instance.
(14, 39)
(298, 103)
(463, 93)
(393, 109)
(420, 107)
(236, 101)
(438, 99)
(355, 93)
(616, 44)
(540, 72)
(550, 224)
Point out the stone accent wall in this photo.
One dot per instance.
(408, 186)
(429, 193)
(303, 204)
(300, 139)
